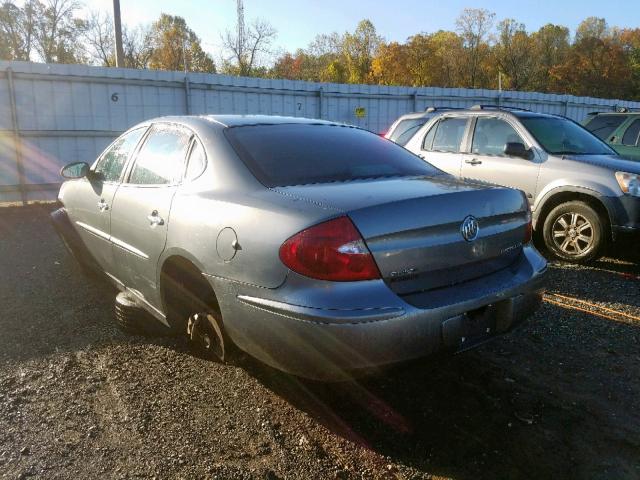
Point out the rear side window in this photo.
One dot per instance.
(161, 158)
(631, 135)
(197, 161)
(491, 135)
(449, 135)
(115, 158)
(603, 126)
(296, 154)
(407, 129)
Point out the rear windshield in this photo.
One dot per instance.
(297, 154)
(406, 129)
(603, 126)
(560, 136)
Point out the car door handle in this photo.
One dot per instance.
(473, 161)
(155, 219)
(102, 205)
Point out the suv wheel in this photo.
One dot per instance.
(574, 232)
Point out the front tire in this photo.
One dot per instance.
(574, 232)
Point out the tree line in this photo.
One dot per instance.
(597, 60)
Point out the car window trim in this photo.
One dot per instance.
(426, 134)
(134, 158)
(133, 153)
(192, 145)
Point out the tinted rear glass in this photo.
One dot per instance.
(603, 126)
(406, 129)
(297, 154)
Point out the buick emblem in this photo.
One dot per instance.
(469, 228)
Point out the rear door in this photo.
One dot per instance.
(441, 144)
(142, 205)
(89, 200)
(486, 161)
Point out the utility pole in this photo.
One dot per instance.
(117, 27)
(241, 33)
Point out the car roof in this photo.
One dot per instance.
(224, 121)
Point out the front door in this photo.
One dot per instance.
(487, 162)
(142, 206)
(89, 200)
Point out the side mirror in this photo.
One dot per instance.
(75, 170)
(517, 149)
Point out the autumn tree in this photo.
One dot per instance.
(358, 50)
(474, 26)
(550, 47)
(390, 65)
(47, 31)
(246, 54)
(172, 43)
(630, 42)
(513, 54)
(58, 31)
(596, 65)
(99, 42)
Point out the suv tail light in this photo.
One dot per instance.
(333, 250)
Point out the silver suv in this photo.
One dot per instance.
(582, 194)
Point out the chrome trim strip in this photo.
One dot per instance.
(125, 246)
(94, 230)
(323, 315)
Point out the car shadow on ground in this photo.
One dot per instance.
(497, 412)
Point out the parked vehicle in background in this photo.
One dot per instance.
(621, 130)
(316, 247)
(583, 195)
(407, 125)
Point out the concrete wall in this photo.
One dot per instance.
(51, 115)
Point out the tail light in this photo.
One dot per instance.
(333, 250)
(528, 232)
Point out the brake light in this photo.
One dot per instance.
(333, 250)
(528, 232)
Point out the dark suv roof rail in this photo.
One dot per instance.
(438, 109)
(617, 110)
(497, 107)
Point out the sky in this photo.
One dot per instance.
(299, 21)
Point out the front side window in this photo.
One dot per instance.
(406, 129)
(603, 126)
(560, 136)
(161, 158)
(449, 135)
(112, 162)
(491, 135)
(631, 135)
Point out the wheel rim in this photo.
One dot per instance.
(573, 234)
(204, 330)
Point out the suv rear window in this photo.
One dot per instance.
(604, 125)
(296, 154)
(406, 129)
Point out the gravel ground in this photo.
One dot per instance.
(79, 399)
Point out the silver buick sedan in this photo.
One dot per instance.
(321, 249)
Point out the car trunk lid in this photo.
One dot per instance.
(412, 226)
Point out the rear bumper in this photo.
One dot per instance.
(368, 326)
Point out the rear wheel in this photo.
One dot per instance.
(574, 232)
